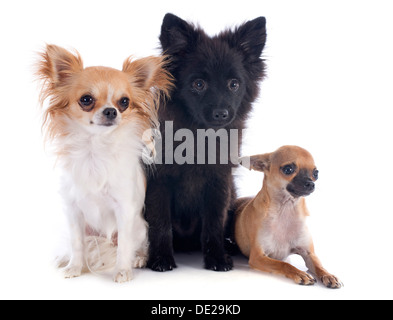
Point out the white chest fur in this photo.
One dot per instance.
(102, 172)
(283, 231)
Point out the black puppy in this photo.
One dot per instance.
(217, 79)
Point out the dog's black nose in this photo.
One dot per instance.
(220, 114)
(309, 186)
(110, 113)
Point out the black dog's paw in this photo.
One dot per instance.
(162, 263)
(224, 263)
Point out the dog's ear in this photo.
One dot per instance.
(57, 65)
(177, 35)
(250, 38)
(149, 72)
(151, 82)
(259, 162)
(55, 70)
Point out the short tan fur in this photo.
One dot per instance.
(272, 226)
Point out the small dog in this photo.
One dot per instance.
(271, 226)
(97, 118)
(217, 80)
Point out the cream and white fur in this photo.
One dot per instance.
(104, 188)
(103, 183)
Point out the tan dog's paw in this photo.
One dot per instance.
(72, 272)
(123, 276)
(330, 281)
(304, 278)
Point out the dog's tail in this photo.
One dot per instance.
(100, 255)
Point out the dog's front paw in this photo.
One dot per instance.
(330, 281)
(123, 276)
(303, 278)
(224, 263)
(72, 271)
(162, 264)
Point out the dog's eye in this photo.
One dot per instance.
(315, 174)
(124, 104)
(87, 102)
(288, 169)
(233, 85)
(199, 85)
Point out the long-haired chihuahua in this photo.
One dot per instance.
(97, 118)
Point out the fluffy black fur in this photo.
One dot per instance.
(217, 79)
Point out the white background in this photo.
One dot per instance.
(329, 90)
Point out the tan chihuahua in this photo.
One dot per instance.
(272, 226)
